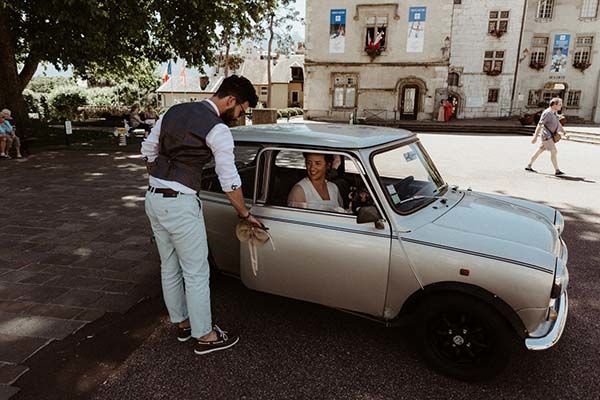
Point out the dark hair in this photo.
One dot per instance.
(240, 88)
(328, 157)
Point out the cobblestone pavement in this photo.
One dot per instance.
(296, 350)
(74, 245)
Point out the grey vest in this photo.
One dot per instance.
(182, 144)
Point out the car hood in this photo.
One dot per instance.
(495, 217)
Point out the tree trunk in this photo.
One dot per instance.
(228, 45)
(13, 83)
(271, 18)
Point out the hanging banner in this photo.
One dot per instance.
(560, 52)
(337, 31)
(416, 29)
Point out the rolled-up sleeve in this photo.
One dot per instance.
(220, 142)
(150, 144)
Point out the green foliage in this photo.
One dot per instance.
(111, 41)
(32, 100)
(65, 102)
(46, 84)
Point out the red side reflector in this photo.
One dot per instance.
(464, 272)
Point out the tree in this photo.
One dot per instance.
(111, 33)
(279, 28)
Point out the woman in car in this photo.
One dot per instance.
(315, 192)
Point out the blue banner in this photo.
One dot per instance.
(337, 31)
(417, 14)
(560, 52)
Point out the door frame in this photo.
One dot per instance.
(417, 101)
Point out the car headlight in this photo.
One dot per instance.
(559, 222)
(561, 280)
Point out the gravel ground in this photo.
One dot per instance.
(295, 350)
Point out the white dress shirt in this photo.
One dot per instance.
(219, 140)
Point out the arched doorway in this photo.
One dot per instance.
(410, 97)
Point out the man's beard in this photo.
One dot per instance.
(229, 116)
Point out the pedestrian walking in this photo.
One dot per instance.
(548, 128)
(181, 143)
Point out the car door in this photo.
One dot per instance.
(317, 256)
(220, 217)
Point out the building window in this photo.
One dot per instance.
(344, 90)
(493, 62)
(573, 98)
(493, 95)
(457, 1)
(589, 9)
(264, 90)
(539, 47)
(376, 33)
(545, 9)
(541, 98)
(583, 50)
(295, 97)
(297, 74)
(534, 98)
(453, 79)
(498, 22)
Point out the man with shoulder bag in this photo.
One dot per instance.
(549, 129)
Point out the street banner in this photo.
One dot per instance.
(560, 52)
(337, 31)
(416, 29)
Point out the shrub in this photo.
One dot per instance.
(65, 101)
(284, 113)
(32, 101)
(102, 96)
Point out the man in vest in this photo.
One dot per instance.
(187, 137)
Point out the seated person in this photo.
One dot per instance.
(315, 192)
(135, 120)
(12, 140)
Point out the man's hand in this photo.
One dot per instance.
(254, 221)
(534, 139)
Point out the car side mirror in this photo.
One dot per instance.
(369, 214)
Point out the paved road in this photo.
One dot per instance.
(295, 350)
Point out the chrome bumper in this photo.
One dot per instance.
(551, 330)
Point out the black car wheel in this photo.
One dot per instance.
(463, 337)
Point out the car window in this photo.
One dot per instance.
(291, 186)
(408, 176)
(245, 161)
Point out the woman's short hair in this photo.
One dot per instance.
(328, 157)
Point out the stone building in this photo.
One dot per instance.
(484, 51)
(492, 58)
(561, 57)
(381, 59)
(287, 79)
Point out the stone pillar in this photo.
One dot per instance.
(262, 116)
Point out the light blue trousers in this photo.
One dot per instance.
(178, 226)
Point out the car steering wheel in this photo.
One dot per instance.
(402, 187)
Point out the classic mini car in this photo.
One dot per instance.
(477, 274)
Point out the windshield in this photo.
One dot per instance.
(408, 177)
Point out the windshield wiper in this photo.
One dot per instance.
(419, 197)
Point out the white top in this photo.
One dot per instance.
(314, 200)
(220, 142)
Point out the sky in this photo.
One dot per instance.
(298, 34)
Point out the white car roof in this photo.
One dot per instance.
(320, 135)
